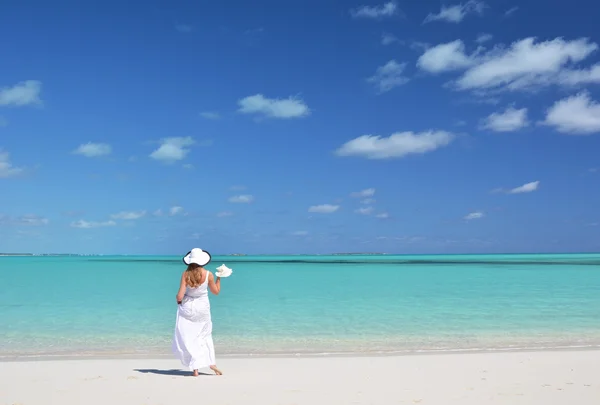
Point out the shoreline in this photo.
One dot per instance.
(299, 355)
(508, 378)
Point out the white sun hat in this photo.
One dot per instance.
(198, 256)
(223, 271)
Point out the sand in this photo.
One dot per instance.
(544, 378)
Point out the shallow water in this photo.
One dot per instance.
(304, 304)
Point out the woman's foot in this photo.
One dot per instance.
(216, 370)
(196, 373)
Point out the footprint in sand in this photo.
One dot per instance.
(132, 378)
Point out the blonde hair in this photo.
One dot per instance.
(193, 275)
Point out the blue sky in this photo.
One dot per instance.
(300, 127)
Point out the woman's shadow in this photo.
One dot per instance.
(179, 373)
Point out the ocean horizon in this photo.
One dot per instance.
(119, 305)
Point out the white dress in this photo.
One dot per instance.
(193, 343)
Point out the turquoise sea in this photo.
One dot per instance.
(125, 305)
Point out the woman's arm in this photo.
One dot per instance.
(181, 291)
(215, 286)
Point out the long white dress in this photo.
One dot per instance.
(193, 343)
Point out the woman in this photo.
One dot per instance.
(193, 343)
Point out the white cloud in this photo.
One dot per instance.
(456, 13)
(224, 214)
(509, 120)
(526, 64)
(290, 107)
(90, 224)
(483, 37)
(173, 149)
(33, 220)
(511, 11)
(382, 215)
(24, 220)
(175, 210)
(300, 233)
(396, 145)
(445, 57)
(242, 199)
(129, 215)
(576, 77)
(158, 213)
(210, 115)
(525, 188)
(578, 114)
(388, 76)
(384, 10)
(368, 192)
(364, 210)
(388, 39)
(324, 208)
(474, 215)
(6, 167)
(93, 149)
(21, 94)
(367, 201)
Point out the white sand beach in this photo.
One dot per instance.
(544, 378)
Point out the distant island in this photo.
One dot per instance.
(41, 254)
(358, 254)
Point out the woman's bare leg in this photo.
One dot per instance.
(196, 373)
(216, 370)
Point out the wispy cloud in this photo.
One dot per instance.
(397, 145)
(376, 12)
(242, 199)
(368, 192)
(511, 11)
(388, 76)
(173, 149)
(24, 220)
(524, 65)
(482, 38)
(7, 169)
(175, 210)
(456, 13)
(91, 224)
(93, 149)
(509, 120)
(21, 94)
(474, 215)
(129, 215)
(281, 108)
(364, 210)
(323, 208)
(388, 39)
(525, 188)
(576, 115)
(210, 115)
